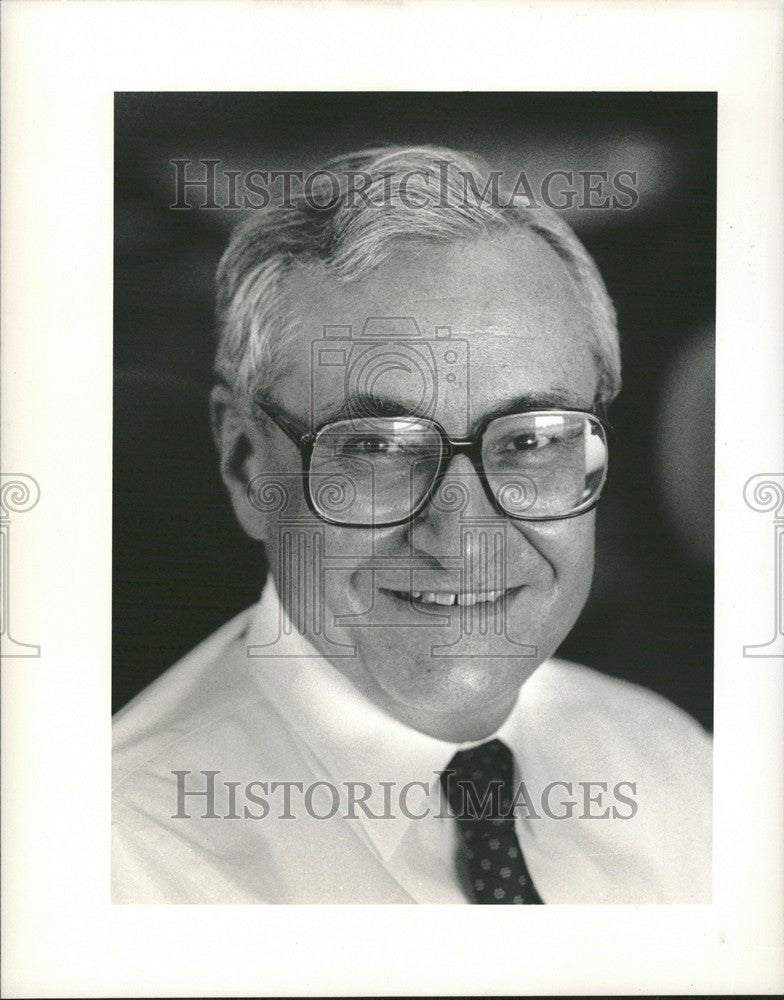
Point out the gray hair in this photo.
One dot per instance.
(414, 193)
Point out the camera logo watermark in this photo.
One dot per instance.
(436, 365)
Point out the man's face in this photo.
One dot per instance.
(452, 670)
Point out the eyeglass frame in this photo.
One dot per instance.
(471, 447)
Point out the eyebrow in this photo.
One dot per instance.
(554, 399)
(370, 404)
(373, 404)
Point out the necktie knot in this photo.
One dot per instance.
(478, 784)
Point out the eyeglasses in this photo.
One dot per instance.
(380, 471)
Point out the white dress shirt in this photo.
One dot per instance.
(636, 769)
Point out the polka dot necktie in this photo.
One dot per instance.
(479, 788)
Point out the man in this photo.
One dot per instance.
(412, 382)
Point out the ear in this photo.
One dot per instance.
(238, 443)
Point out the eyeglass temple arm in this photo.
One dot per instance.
(289, 428)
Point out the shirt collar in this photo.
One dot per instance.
(353, 739)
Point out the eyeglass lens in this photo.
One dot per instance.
(377, 470)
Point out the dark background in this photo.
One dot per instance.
(181, 564)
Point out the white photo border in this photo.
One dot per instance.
(62, 64)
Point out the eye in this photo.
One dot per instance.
(370, 445)
(530, 442)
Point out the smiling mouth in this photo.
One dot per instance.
(446, 597)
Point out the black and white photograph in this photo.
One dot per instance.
(392, 498)
(413, 497)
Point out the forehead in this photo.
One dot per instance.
(507, 306)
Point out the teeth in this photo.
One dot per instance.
(487, 597)
(465, 600)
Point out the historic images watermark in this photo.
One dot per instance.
(764, 493)
(208, 795)
(209, 184)
(19, 493)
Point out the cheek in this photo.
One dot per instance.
(276, 492)
(568, 548)
(322, 562)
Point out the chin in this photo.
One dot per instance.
(455, 693)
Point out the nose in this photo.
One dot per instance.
(454, 524)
